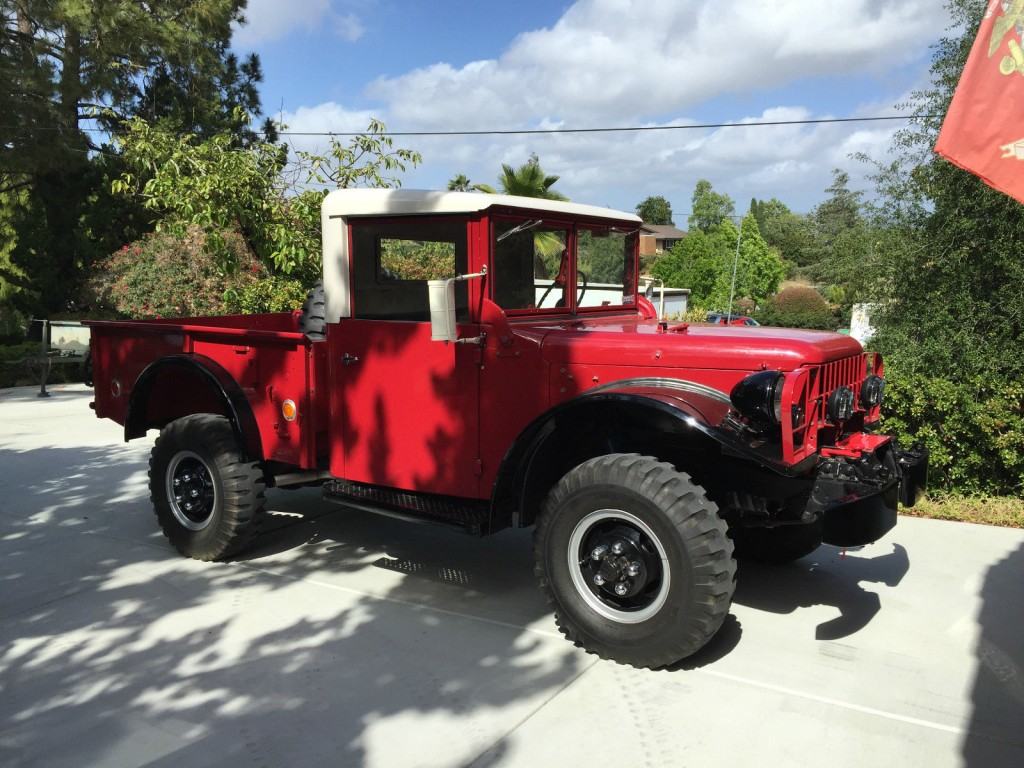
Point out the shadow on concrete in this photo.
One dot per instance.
(995, 737)
(114, 650)
(825, 577)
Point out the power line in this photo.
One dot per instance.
(541, 131)
(622, 129)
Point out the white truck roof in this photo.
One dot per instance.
(343, 203)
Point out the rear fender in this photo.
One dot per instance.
(181, 385)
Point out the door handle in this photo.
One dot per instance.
(348, 359)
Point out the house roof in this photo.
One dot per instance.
(343, 203)
(663, 231)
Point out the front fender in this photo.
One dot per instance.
(670, 405)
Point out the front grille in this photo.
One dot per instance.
(814, 384)
(848, 372)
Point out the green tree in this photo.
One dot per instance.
(703, 262)
(697, 262)
(709, 208)
(840, 211)
(655, 210)
(68, 65)
(218, 187)
(760, 268)
(953, 312)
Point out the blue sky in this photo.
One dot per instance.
(448, 65)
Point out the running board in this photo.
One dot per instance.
(468, 515)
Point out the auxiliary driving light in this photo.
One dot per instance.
(871, 391)
(840, 405)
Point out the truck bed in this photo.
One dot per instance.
(266, 356)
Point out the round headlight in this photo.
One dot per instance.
(759, 397)
(871, 391)
(840, 405)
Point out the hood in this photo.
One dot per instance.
(633, 342)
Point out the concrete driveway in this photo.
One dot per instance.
(350, 639)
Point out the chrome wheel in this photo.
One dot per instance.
(191, 492)
(619, 566)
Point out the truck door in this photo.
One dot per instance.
(406, 406)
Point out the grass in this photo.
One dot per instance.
(1007, 511)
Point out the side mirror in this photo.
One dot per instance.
(441, 296)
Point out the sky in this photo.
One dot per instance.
(331, 65)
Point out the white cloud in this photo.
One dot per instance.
(622, 62)
(268, 20)
(616, 59)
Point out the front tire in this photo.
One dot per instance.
(208, 499)
(635, 560)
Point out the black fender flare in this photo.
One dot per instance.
(236, 405)
(694, 409)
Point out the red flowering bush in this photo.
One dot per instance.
(164, 275)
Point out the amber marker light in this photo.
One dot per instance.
(288, 410)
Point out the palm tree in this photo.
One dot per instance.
(528, 180)
(459, 183)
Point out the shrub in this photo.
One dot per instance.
(163, 275)
(20, 366)
(798, 306)
(12, 324)
(274, 293)
(974, 428)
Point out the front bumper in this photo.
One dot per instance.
(858, 498)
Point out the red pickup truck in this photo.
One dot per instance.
(486, 361)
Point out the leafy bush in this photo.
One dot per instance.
(274, 293)
(12, 324)
(974, 428)
(19, 366)
(163, 275)
(798, 306)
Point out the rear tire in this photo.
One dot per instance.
(780, 545)
(313, 320)
(208, 499)
(661, 541)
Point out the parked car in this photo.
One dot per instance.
(452, 367)
(722, 318)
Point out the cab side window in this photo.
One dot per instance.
(392, 262)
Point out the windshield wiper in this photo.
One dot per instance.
(519, 228)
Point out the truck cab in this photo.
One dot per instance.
(487, 361)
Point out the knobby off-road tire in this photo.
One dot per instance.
(208, 499)
(313, 320)
(780, 545)
(668, 534)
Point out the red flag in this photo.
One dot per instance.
(984, 129)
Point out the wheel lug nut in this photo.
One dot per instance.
(598, 579)
(188, 505)
(621, 588)
(617, 548)
(177, 482)
(599, 551)
(633, 568)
